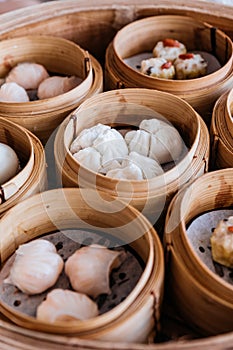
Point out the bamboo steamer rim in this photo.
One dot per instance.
(153, 268)
(229, 111)
(36, 182)
(175, 86)
(185, 214)
(68, 98)
(12, 186)
(200, 161)
(155, 182)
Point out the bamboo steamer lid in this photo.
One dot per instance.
(205, 299)
(141, 36)
(60, 209)
(59, 56)
(129, 107)
(221, 138)
(32, 176)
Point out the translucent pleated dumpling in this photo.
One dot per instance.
(66, 305)
(87, 137)
(150, 167)
(12, 92)
(89, 268)
(89, 157)
(28, 75)
(36, 267)
(166, 143)
(54, 86)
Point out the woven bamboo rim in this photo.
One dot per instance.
(147, 195)
(229, 112)
(69, 208)
(37, 179)
(221, 138)
(57, 55)
(16, 137)
(141, 36)
(211, 297)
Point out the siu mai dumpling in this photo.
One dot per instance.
(169, 49)
(66, 305)
(89, 268)
(222, 242)
(36, 267)
(28, 75)
(166, 144)
(54, 86)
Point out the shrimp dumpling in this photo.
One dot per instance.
(28, 75)
(36, 267)
(12, 92)
(89, 157)
(166, 143)
(149, 167)
(138, 141)
(87, 137)
(66, 305)
(54, 86)
(129, 172)
(111, 145)
(88, 269)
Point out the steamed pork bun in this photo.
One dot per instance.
(9, 163)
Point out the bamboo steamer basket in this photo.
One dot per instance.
(205, 299)
(59, 56)
(220, 133)
(229, 111)
(77, 20)
(134, 318)
(141, 36)
(128, 107)
(32, 175)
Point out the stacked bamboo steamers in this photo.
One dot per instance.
(140, 37)
(122, 214)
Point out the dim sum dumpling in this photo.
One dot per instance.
(66, 305)
(89, 157)
(36, 267)
(54, 86)
(110, 165)
(138, 141)
(222, 242)
(111, 145)
(12, 92)
(87, 137)
(149, 167)
(166, 143)
(89, 268)
(128, 172)
(28, 75)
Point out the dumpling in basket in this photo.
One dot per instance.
(169, 49)
(66, 305)
(158, 67)
(89, 268)
(190, 66)
(222, 242)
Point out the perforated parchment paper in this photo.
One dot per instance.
(122, 279)
(199, 233)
